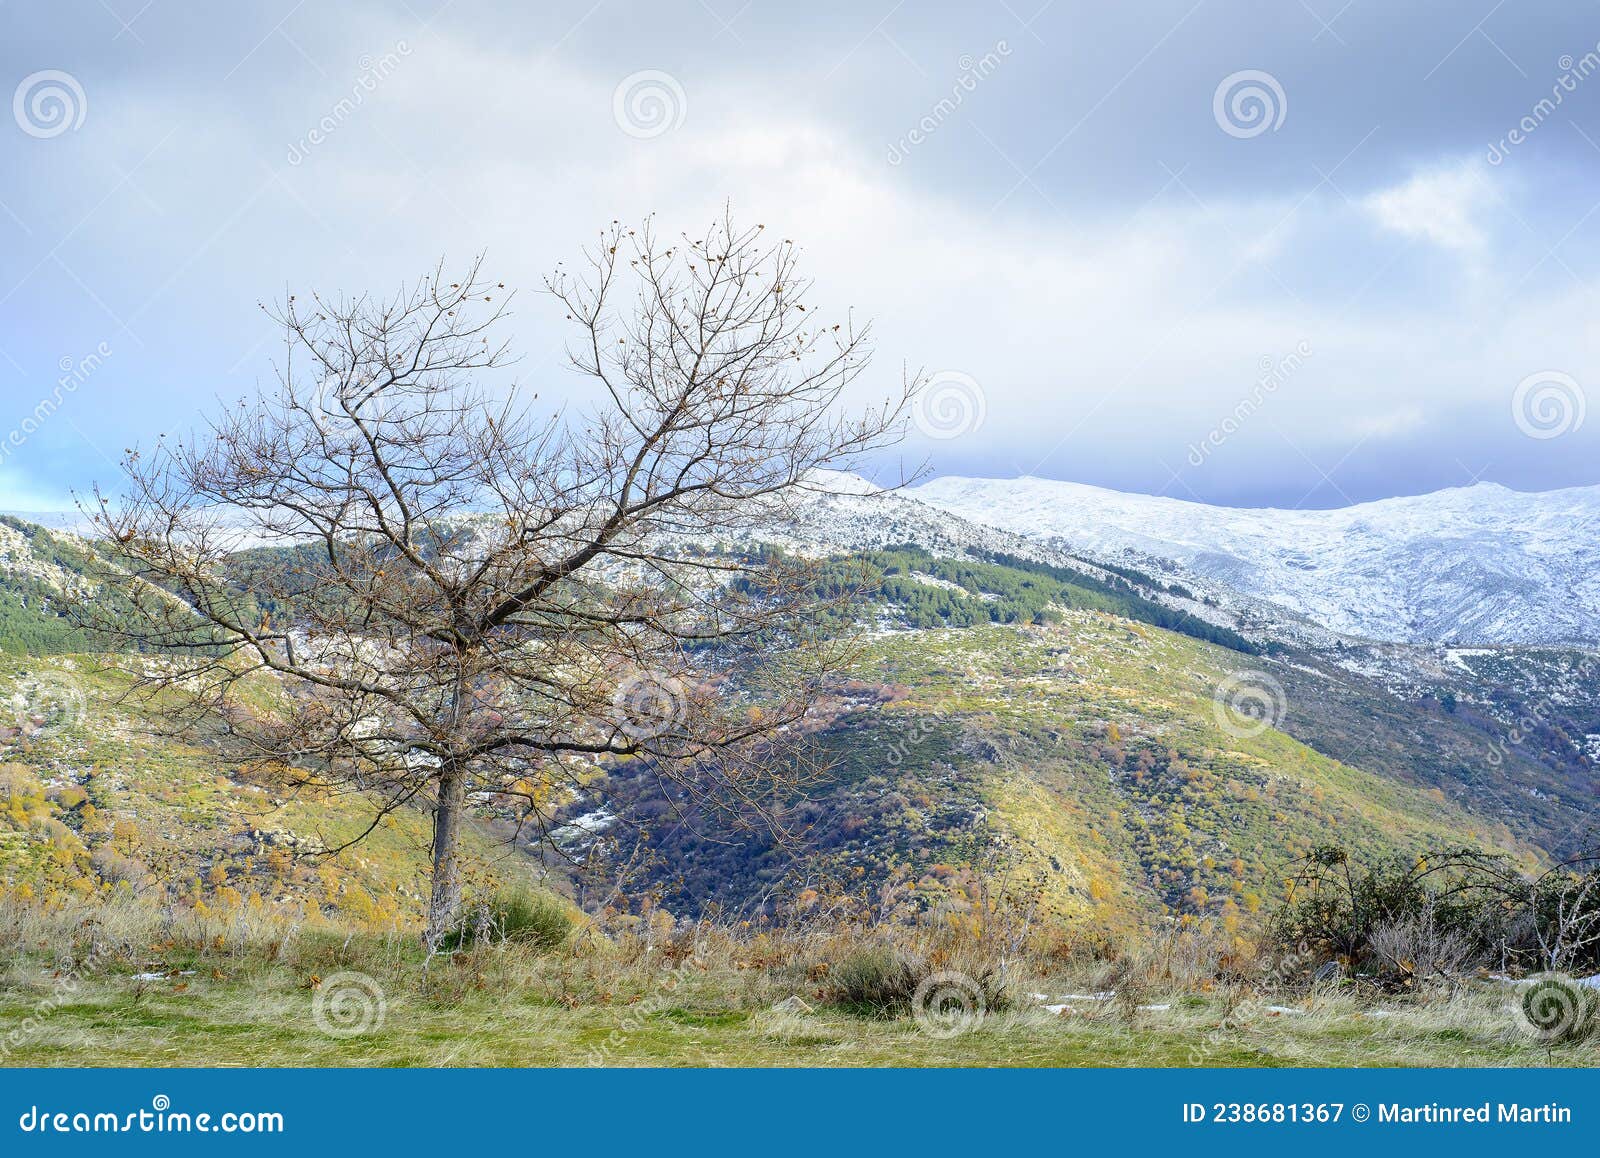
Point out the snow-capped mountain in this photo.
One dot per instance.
(837, 511)
(1480, 564)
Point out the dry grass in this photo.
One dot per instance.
(123, 985)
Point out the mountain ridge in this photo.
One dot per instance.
(1477, 565)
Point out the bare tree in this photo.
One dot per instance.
(460, 601)
(1565, 903)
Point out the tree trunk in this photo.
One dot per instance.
(445, 905)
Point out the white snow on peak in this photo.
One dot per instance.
(1479, 564)
(839, 482)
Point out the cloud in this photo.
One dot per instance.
(1402, 420)
(1442, 205)
(1107, 334)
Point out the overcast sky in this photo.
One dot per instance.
(1094, 232)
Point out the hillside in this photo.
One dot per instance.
(92, 801)
(38, 571)
(1093, 755)
(1473, 565)
(1035, 715)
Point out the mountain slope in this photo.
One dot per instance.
(1015, 701)
(93, 800)
(1093, 756)
(39, 571)
(1480, 564)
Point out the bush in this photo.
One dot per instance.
(876, 979)
(1436, 913)
(517, 916)
(525, 917)
(888, 981)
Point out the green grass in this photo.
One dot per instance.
(152, 990)
(265, 1018)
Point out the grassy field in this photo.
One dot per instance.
(319, 998)
(267, 1019)
(101, 802)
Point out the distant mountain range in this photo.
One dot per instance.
(1471, 565)
(1479, 565)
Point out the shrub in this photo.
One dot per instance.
(525, 917)
(1454, 907)
(518, 916)
(887, 981)
(876, 979)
